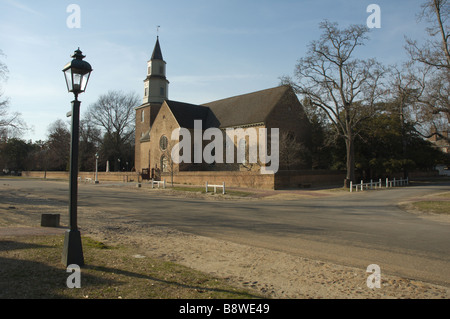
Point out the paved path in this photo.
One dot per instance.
(356, 229)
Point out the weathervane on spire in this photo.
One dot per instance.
(157, 30)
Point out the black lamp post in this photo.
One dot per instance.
(77, 74)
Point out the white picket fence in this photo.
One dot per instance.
(374, 185)
(215, 187)
(86, 179)
(163, 183)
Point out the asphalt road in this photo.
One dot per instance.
(356, 229)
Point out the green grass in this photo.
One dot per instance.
(436, 207)
(444, 195)
(31, 268)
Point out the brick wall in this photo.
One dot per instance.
(231, 179)
(289, 116)
(281, 180)
(308, 178)
(164, 124)
(102, 176)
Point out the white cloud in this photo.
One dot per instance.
(23, 7)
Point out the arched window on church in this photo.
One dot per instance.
(161, 91)
(163, 142)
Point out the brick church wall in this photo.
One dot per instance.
(231, 179)
(141, 128)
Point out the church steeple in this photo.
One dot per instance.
(157, 55)
(156, 85)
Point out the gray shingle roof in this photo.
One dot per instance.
(239, 110)
(245, 109)
(186, 113)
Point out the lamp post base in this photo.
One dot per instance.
(73, 250)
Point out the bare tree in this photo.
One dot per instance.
(88, 147)
(291, 151)
(167, 163)
(432, 76)
(11, 124)
(435, 51)
(346, 89)
(114, 114)
(58, 146)
(431, 92)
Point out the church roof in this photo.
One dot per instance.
(186, 113)
(245, 109)
(157, 54)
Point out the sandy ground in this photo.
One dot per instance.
(271, 273)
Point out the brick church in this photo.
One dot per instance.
(158, 117)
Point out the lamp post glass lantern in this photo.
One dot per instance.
(77, 73)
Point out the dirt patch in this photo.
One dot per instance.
(29, 231)
(272, 273)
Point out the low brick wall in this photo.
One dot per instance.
(281, 180)
(231, 179)
(102, 176)
(308, 178)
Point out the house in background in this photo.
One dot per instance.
(442, 143)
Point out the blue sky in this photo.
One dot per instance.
(213, 48)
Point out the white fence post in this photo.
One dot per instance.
(206, 186)
(374, 185)
(223, 190)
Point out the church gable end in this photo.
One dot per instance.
(289, 116)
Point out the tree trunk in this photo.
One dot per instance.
(350, 177)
